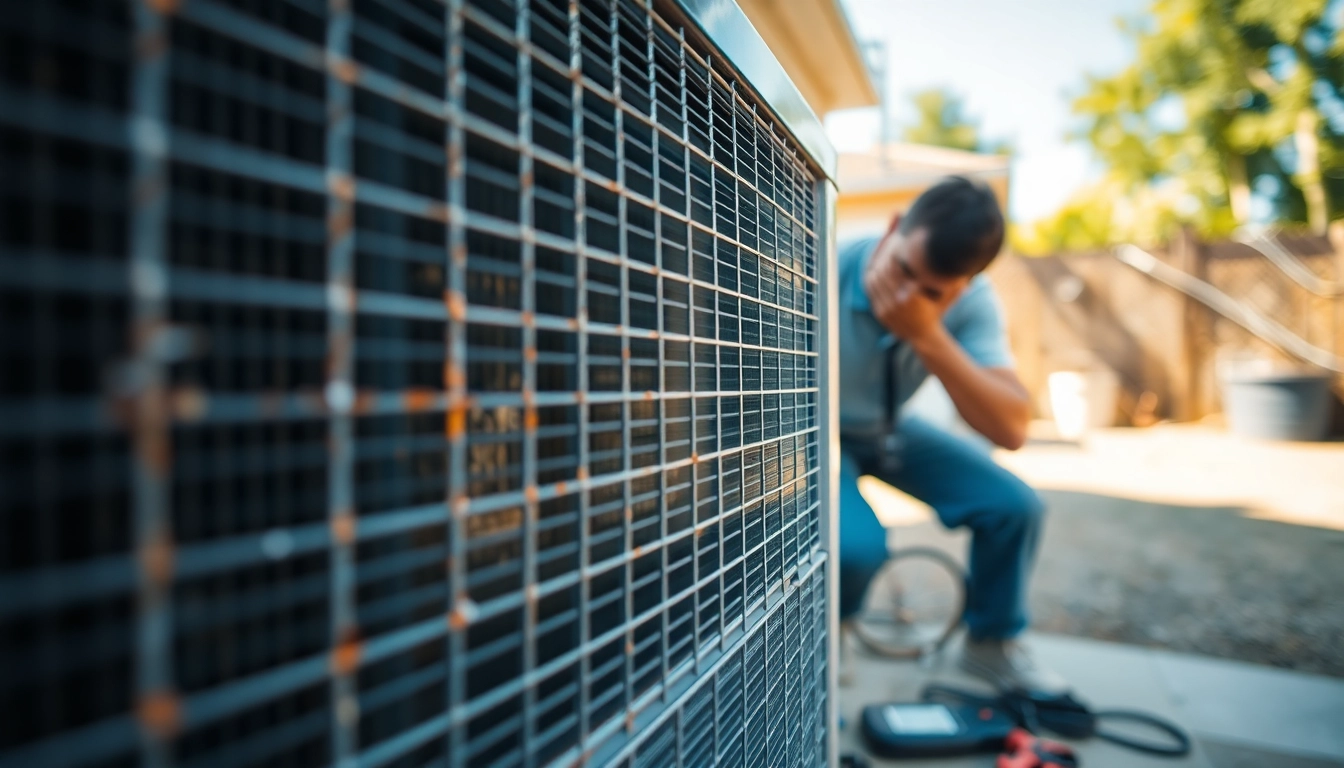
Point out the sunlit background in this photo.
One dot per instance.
(1012, 73)
(1013, 66)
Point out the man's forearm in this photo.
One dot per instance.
(993, 405)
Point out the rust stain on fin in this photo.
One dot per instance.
(341, 185)
(456, 379)
(343, 527)
(463, 614)
(189, 403)
(152, 46)
(457, 305)
(154, 446)
(163, 6)
(345, 657)
(345, 70)
(363, 402)
(418, 399)
(160, 713)
(457, 421)
(454, 157)
(157, 559)
(438, 212)
(340, 224)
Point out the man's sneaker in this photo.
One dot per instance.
(1010, 666)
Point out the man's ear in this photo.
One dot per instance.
(895, 222)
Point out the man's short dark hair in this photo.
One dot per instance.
(964, 222)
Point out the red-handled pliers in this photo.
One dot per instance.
(1027, 751)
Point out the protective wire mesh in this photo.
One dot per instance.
(399, 383)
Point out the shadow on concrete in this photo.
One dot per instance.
(1206, 580)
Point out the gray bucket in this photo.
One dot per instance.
(1282, 406)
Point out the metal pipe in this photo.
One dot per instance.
(1236, 311)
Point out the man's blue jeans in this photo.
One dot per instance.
(965, 487)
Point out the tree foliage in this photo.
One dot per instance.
(1224, 96)
(941, 121)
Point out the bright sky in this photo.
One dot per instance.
(1015, 63)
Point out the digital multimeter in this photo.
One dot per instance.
(932, 729)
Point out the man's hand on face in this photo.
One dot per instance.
(898, 301)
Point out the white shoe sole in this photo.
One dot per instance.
(1004, 683)
(987, 673)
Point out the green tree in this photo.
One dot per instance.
(1221, 92)
(1292, 94)
(941, 120)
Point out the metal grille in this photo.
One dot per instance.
(400, 383)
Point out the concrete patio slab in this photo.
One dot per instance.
(1258, 707)
(1111, 676)
(1239, 715)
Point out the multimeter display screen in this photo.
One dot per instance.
(930, 719)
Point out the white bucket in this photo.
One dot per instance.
(1083, 400)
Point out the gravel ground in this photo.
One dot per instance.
(1204, 580)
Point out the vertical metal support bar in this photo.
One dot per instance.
(157, 703)
(460, 608)
(737, 223)
(527, 284)
(693, 348)
(340, 385)
(627, 409)
(618, 126)
(828, 365)
(656, 141)
(662, 368)
(581, 341)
